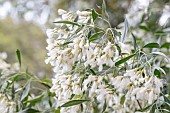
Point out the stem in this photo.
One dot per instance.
(139, 104)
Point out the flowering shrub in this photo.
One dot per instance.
(98, 69)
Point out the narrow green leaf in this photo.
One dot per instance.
(153, 109)
(73, 102)
(13, 91)
(35, 100)
(92, 72)
(118, 48)
(94, 36)
(151, 45)
(166, 99)
(57, 111)
(125, 30)
(165, 45)
(134, 41)
(67, 22)
(67, 42)
(160, 33)
(94, 15)
(29, 110)
(145, 28)
(19, 56)
(123, 60)
(103, 9)
(122, 100)
(104, 107)
(89, 34)
(157, 73)
(26, 90)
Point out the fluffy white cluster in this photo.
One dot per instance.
(79, 48)
(72, 53)
(6, 68)
(6, 105)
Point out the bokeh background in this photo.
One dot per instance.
(23, 24)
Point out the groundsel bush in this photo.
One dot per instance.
(97, 71)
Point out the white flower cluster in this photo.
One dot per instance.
(6, 68)
(79, 48)
(72, 53)
(6, 105)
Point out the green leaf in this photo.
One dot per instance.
(134, 41)
(161, 54)
(118, 48)
(67, 22)
(125, 30)
(160, 33)
(57, 111)
(122, 100)
(153, 109)
(94, 36)
(13, 91)
(151, 45)
(94, 15)
(104, 107)
(26, 91)
(103, 9)
(19, 56)
(29, 110)
(123, 60)
(157, 73)
(165, 45)
(92, 72)
(67, 42)
(89, 34)
(35, 100)
(145, 28)
(73, 102)
(166, 99)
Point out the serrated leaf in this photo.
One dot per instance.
(19, 56)
(73, 102)
(151, 45)
(123, 60)
(94, 36)
(165, 45)
(67, 22)
(26, 90)
(94, 15)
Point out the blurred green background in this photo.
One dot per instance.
(23, 24)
